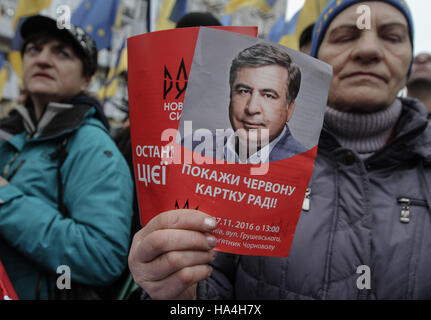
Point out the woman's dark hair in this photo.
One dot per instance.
(43, 37)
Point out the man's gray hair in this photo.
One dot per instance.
(263, 54)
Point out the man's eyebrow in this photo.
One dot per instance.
(242, 85)
(264, 90)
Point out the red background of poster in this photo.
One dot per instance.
(149, 55)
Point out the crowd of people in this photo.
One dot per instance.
(69, 200)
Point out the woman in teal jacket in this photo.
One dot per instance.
(65, 189)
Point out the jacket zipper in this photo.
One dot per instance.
(307, 199)
(405, 207)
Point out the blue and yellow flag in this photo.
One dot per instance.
(283, 27)
(306, 16)
(97, 17)
(25, 8)
(172, 11)
(264, 5)
(110, 87)
(3, 74)
(234, 5)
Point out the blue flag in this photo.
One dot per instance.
(171, 12)
(282, 27)
(3, 74)
(97, 17)
(178, 11)
(234, 5)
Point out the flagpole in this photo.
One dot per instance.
(286, 11)
(107, 74)
(154, 11)
(148, 14)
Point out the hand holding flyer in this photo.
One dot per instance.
(230, 132)
(173, 250)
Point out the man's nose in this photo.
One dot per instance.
(368, 48)
(253, 103)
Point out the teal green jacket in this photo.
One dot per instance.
(97, 186)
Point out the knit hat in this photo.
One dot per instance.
(76, 36)
(334, 7)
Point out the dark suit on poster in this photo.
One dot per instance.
(286, 147)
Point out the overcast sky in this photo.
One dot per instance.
(420, 10)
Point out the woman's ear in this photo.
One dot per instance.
(85, 83)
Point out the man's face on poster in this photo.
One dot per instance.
(259, 101)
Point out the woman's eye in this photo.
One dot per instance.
(64, 53)
(341, 37)
(345, 39)
(31, 49)
(392, 38)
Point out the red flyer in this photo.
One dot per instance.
(228, 124)
(7, 292)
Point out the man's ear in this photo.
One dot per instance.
(290, 109)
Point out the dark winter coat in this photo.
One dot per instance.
(367, 217)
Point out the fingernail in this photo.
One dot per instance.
(212, 241)
(210, 222)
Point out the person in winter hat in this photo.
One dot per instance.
(65, 189)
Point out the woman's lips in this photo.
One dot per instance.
(365, 75)
(42, 75)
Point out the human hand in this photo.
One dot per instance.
(170, 255)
